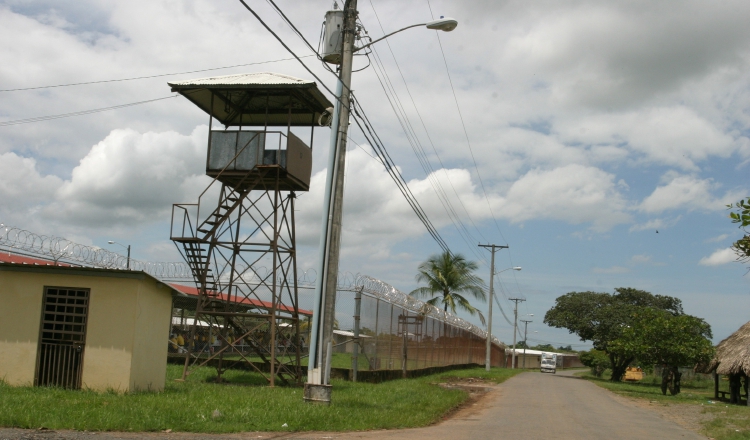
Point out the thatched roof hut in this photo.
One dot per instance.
(732, 354)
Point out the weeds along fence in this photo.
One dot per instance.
(377, 328)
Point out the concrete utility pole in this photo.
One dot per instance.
(488, 351)
(515, 329)
(318, 387)
(318, 379)
(525, 340)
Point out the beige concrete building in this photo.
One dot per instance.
(79, 327)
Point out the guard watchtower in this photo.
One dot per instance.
(239, 239)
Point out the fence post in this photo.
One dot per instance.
(355, 349)
(376, 355)
(403, 349)
(390, 339)
(434, 344)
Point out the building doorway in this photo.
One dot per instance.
(62, 337)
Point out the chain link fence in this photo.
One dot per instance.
(394, 332)
(400, 332)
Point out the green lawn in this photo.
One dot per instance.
(243, 405)
(730, 422)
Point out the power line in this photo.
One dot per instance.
(466, 133)
(424, 127)
(80, 113)
(148, 76)
(302, 37)
(373, 139)
(297, 31)
(411, 137)
(366, 152)
(288, 49)
(379, 149)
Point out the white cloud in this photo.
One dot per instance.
(685, 192)
(573, 110)
(721, 237)
(674, 136)
(22, 189)
(20, 181)
(620, 53)
(574, 193)
(719, 257)
(640, 259)
(376, 214)
(132, 177)
(655, 224)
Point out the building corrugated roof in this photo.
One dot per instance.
(193, 291)
(20, 259)
(244, 80)
(44, 266)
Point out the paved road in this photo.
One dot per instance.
(535, 406)
(527, 406)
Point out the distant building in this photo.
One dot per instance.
(534, 358)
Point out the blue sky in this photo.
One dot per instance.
(588, 127)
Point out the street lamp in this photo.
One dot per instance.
(445, 24)
(487, 354)
(126, 247)
(318, 379)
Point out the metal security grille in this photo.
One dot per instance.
(62, 337)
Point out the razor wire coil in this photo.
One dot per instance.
(62, 250)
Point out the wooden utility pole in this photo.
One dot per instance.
(515, 329)
(525, 340)
(488, 350)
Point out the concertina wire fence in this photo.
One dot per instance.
(397, 331)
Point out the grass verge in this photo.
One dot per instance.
(722, 421)
(239, 405)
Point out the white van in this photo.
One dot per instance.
(549, 363)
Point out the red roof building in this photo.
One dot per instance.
(192, 291)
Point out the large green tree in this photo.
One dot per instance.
(449, 279)
(601, 318)
(657, 337)
(741, 214)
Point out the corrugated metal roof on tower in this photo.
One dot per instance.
(256, 99)
(246, 79)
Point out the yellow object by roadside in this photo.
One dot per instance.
(633, 374)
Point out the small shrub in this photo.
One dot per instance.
(596, 360)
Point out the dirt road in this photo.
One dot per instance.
(527, 406)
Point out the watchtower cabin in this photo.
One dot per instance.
(239, 238)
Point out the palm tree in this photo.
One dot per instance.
(449, 277)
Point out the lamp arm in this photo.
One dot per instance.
(386, 36)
